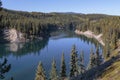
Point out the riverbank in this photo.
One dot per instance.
(91, 34)
(113, 71)
(15, 36)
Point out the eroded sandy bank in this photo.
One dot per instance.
(91, 34)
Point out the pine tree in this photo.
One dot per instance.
(0, 4)
(107, 50)
(81, 63)
(92, 60)
(73, 62)
(40, 74)
(53, 72)
(63, 67)
(114, 40)
(98, 58)
(0, 10)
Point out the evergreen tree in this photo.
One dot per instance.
(4, 68)
(63, 67)
(40, 74)
(53, 72)
(107, 50)
(81, 63)
(0, 4)
(73, 62)
(92, 60)
(98, 58)
(0, 10)
(114, 40)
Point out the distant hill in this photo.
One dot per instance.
(41, 24)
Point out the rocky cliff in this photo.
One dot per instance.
(11, 35)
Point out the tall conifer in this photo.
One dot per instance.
(40, 74)
(53, 72)
(81, 63)
(98, 57)
(73, 62)
(91, 60)
(63, 67)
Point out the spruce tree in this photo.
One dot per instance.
(107, 50)
(91, 60)
(98, 58)
(114, 40)
(73, 62)
(81, 63)
(40, 74)
(0, 4)
(53, 72)
(0, 10)
(63, 67)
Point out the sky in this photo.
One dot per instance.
(110, 7)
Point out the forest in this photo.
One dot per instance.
(77, 67)
(38, 24)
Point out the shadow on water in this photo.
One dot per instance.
(21, 49)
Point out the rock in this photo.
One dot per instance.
(12, 35)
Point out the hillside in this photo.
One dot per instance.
(112, 72)
(39, 25)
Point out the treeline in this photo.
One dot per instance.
(32, 47)
(109, 27)
(77, 66)
(35, 24)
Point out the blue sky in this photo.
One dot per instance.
(111, 7)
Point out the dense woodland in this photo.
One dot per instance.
(40, 24)
(4, 66)
(37, 24)
(77, 66)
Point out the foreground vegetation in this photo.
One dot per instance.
(4, 66)
(112, 72)
(77, 66)
(36, 24)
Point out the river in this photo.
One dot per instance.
(24, 57)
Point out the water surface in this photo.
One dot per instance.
(24, 57)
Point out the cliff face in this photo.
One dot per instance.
(11, 35)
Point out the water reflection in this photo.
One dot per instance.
(14, 47)
(71, 34)
(24, 68)
(20, 49)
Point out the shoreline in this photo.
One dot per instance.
(91, 34)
